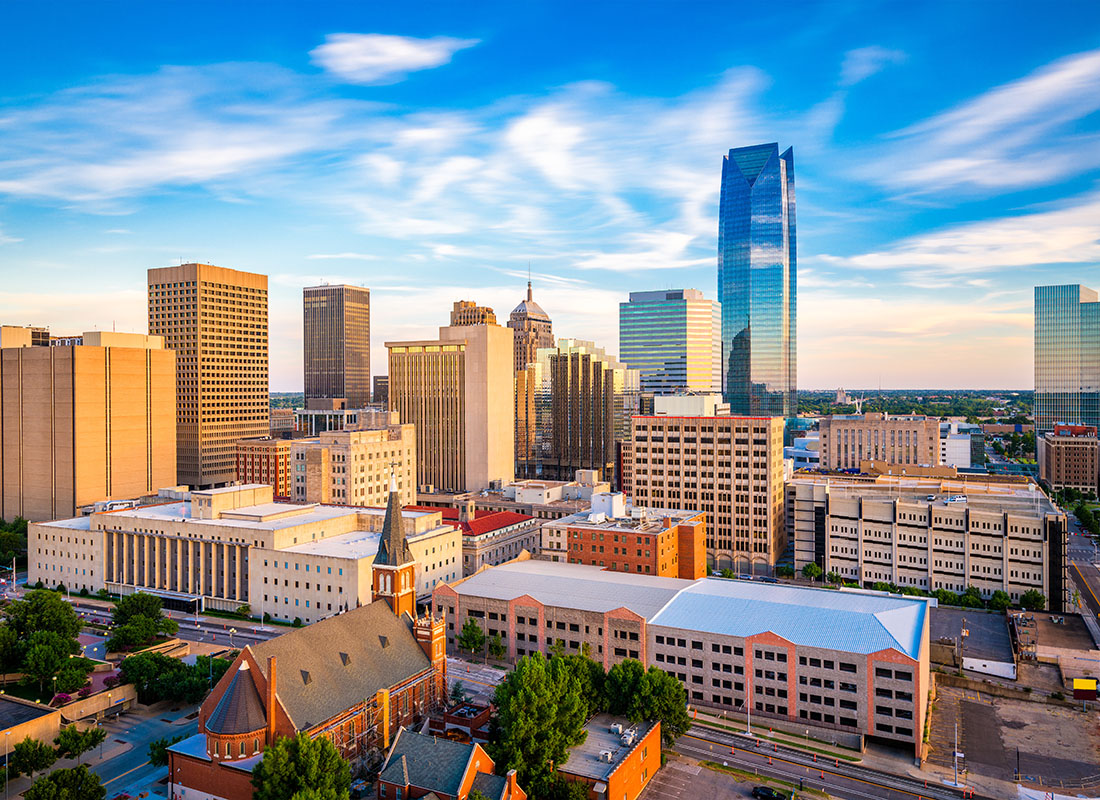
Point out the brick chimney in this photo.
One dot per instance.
(512, 789)
(271, 700)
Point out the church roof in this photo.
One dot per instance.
(240, 710)
(393, 550)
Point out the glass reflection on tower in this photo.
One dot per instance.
(757, 282)
(1067, 357)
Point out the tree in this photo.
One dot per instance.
(497, 649)
(728, 573)
(30, 756)
(138, 618)
(41, 663)
(540, 715)
(1033, 600)
(458, 693)
(971, 598)
(138, 604)
(590, 679)
(158, 750)
(295, 764)
(1000, 601)
(471, 638)
(638, 694)
(43, 610)
(833, 577)
(316, 794)
(159, 677)
(811, 571)
(72, 742)
(77, 783)
(946, 597)
(73, 674)
(784, 571)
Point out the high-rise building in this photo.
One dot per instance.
(83, 423)
(1069, 458)
(757, 281)
(580, 399)
(336, 343)
(532, 329)
(674, 339)
(265, 460)
(729, 467)
(457, 391)
(216, 321)
(381, 389)
(1067, 357)
(467, 312)
(903, 439)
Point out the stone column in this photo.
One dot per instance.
(225, 571)
(238, 551)
(190, 566)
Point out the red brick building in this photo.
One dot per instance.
(421, 765)
(1069, 458)
(265, 460)
(617, 759)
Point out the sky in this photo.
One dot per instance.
(947, 160)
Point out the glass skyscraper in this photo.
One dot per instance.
(1067, 357)
(756, 281)
(673, 339)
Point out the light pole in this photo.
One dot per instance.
(7, 758)
(231, 632)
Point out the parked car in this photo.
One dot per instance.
(768, 793)
(768, 580)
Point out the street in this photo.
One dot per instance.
(1081, 552)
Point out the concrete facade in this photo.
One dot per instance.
(216, 321)
(731, 468)
(354, 467)
(236, 546)
(848, 439)
(83, 423)
(931, 534)
(457, 392)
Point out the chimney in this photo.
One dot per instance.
(271, 700)
(512, 790)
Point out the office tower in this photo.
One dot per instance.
(848, 439)
(729, 467)
(457, 391)
(674, 339)
(532, 329)
(83, 423)
(757, 280)
(355, 467)
(216, 321)
(467, 312)
(1069, 458)
(336, 344)
(931, 534)
(579, 400)
(1067, 357)
(381, 390)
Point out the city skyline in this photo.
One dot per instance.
(431, 160)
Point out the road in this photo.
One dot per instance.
(131, 769)
(1082, 554)
(839, 779)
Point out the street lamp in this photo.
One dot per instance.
(231, 632)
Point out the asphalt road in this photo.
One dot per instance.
(847, 781)
(132, 768)
(1082, 555)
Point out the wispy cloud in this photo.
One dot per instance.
(376, 58)
(6, 239)
(1068, 235)
(1016, 135)
(863, 62)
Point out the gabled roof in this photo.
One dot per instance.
(427, 762)
(332, 665)
(240, 710)
(492, 786)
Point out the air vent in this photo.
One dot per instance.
(345, 659)
(305, 678)
(384, 642)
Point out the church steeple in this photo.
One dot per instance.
(394, 570)
(393, 550)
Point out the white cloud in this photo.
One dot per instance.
(6, 239)
(863, 62)
(376, 58)
(1016, 135)
(1062, 236)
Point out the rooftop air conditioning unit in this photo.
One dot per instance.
(617, 728)
(627, 738)
(606, 755)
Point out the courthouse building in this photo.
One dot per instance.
(846, 661)
(848, 439)
(224, 548)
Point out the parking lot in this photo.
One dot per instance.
(681, 779)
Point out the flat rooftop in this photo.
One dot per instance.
(13, 712)
(585, 760)
(652, 522)
(980, 496)
(579, 586)
(988, 637)
(354, 545)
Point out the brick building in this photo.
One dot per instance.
(617, 758)
(420, 765)
(265, 460)
(850, 661)
(488, 537)
(645, 541)
(1069, 458)
(330, 679)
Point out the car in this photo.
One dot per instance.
(768, 580)
(768, 793)
(744, 577)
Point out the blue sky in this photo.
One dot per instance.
(947, 160)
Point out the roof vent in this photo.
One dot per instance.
(385, 642)
(345, 659)
(306, 679)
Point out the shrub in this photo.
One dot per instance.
(61, 699)
(297, 622)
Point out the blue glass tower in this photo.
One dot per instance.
(756, 281)
(1067, 356)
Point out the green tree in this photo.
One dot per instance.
(43, 610)
(158, 750)
(11, 650)
(590, 679)
(946, 597)
(40, 664)
(77, 783)
(811, 571)
(540, 715)
(833, 577)
(471, 638)
(784, 571)
(295, 764)
(1000, 601)
(73, 674)
(971, 598)
(30, 756)
(1033, 600)
(138, 619)
(138, 604)
(497, 648)
(458, 693)
(639, 694)
(728, 573)
(317, 794)
(72, 742)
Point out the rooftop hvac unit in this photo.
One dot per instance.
(606, 755)
(617, 728)
(627, 738)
